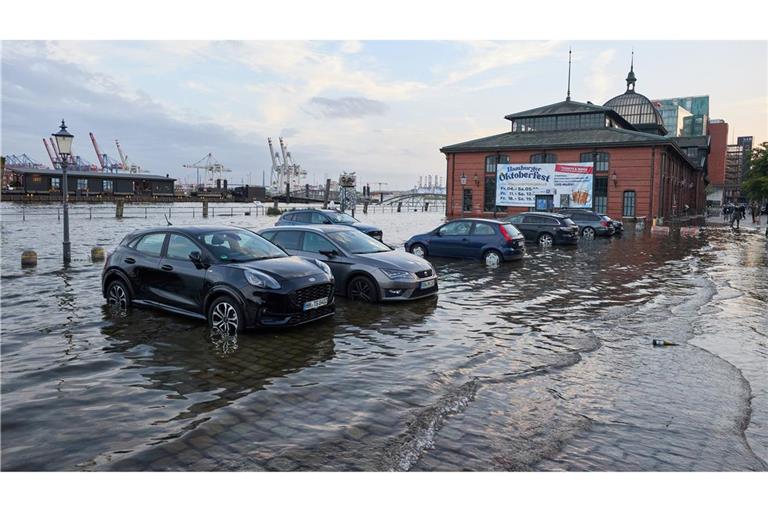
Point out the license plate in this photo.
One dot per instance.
(428, 284)
(314, 304)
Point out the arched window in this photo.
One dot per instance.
(544, 158)
(600, 159)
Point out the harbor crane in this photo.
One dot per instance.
(107, 164)
(285, 172)
(75, 161)
(127, 165)
(213, 169)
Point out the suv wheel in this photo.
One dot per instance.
(118, 294)
(546, 240)
(588, 233)
(225, 316)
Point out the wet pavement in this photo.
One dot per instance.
(542, 364)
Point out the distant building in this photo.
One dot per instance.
(736, 166)
(47, 182)
(639, 170)
(718, 133)
(686, 116)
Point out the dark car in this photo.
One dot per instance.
(546, 229)
(230, 276)
(365, 269)
(618, 226)
(490, 240)
(314, 216)
(590, 223)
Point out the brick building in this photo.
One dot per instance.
(639, 171)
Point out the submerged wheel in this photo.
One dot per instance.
(419, 250)
(492, 258)
(546, 240)
(118, 294)
(362, 289)
(224, 316)
(588, 233)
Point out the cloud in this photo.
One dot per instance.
(349, 107)
(602, 84)
(194, 85)
(351, 47)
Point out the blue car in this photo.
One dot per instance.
(315, 216)
(492, 241)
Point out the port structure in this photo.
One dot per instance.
(212, 168)
(286, 175)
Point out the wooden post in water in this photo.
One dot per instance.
(399, 206)
(119, 205)
(327, 193)
(365, 207)
(205, 208)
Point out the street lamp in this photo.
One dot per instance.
(64, 145)
(463, 179)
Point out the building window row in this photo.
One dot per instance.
(491, 161)
(564, 122)
(543, 158)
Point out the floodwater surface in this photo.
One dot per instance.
(542, 364)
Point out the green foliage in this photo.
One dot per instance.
(755, 186)
(273, 211)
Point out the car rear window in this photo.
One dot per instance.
(481, 229)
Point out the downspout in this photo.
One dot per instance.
(650, 189)
(662, 178)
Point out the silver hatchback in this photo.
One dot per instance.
(364, 268)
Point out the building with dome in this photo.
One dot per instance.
(640, 171)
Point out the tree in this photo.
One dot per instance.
(755, 186)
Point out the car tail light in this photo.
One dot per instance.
(604, 223)
(504, 233)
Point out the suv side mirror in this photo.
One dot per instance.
(329, 254)
(326, 221)
(197, 258)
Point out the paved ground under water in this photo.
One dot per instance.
(542, 364)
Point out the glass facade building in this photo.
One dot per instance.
(686, 116)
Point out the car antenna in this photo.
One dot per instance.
(166, 219)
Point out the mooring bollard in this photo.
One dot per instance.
(58, 214)
(28, 258)
(205, 209)
(23, 215)
(90, 212)
(426, 206)
(365, 207)
(399, 206)
(97, 254)
(169, 213)
(119, 209)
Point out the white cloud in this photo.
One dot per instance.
(351, 47)
(602, 84)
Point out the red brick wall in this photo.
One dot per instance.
(632, 167)
(717, 150)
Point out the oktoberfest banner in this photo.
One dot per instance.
(570, 185)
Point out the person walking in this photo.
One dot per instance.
(735, 217)
(753, 211)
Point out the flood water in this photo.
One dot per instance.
(542, 364)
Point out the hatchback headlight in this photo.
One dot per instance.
(397, 274)
(261, 280)
(324, 266)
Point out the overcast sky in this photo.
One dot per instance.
(381, 108)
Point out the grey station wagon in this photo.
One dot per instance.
(364, 268)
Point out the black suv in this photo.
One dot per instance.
(546, 229)
(230, 276)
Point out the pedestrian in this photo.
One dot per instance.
(753, 210)
(743, 211)
(735, 217)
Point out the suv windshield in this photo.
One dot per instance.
(341, 218)
(235, 246)
(356, 242)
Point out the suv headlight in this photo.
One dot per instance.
(261, 280)
(324, 266)
(397, 274)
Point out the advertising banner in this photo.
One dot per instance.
(569, 185)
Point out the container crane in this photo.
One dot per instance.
(211, 166)
(127, 165)
(107, 164)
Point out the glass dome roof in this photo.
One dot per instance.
(636, 108)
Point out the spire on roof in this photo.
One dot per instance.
(568, 94)
(631, 75)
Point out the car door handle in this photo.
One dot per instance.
(130, 260)
(166, 267)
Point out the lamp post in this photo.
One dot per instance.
(64, 145)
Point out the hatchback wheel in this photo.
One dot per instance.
(419, 250)
(588, 233)
(362, 289)
(546, 240)
(492, 258)
(118, 294)
(224, 316)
